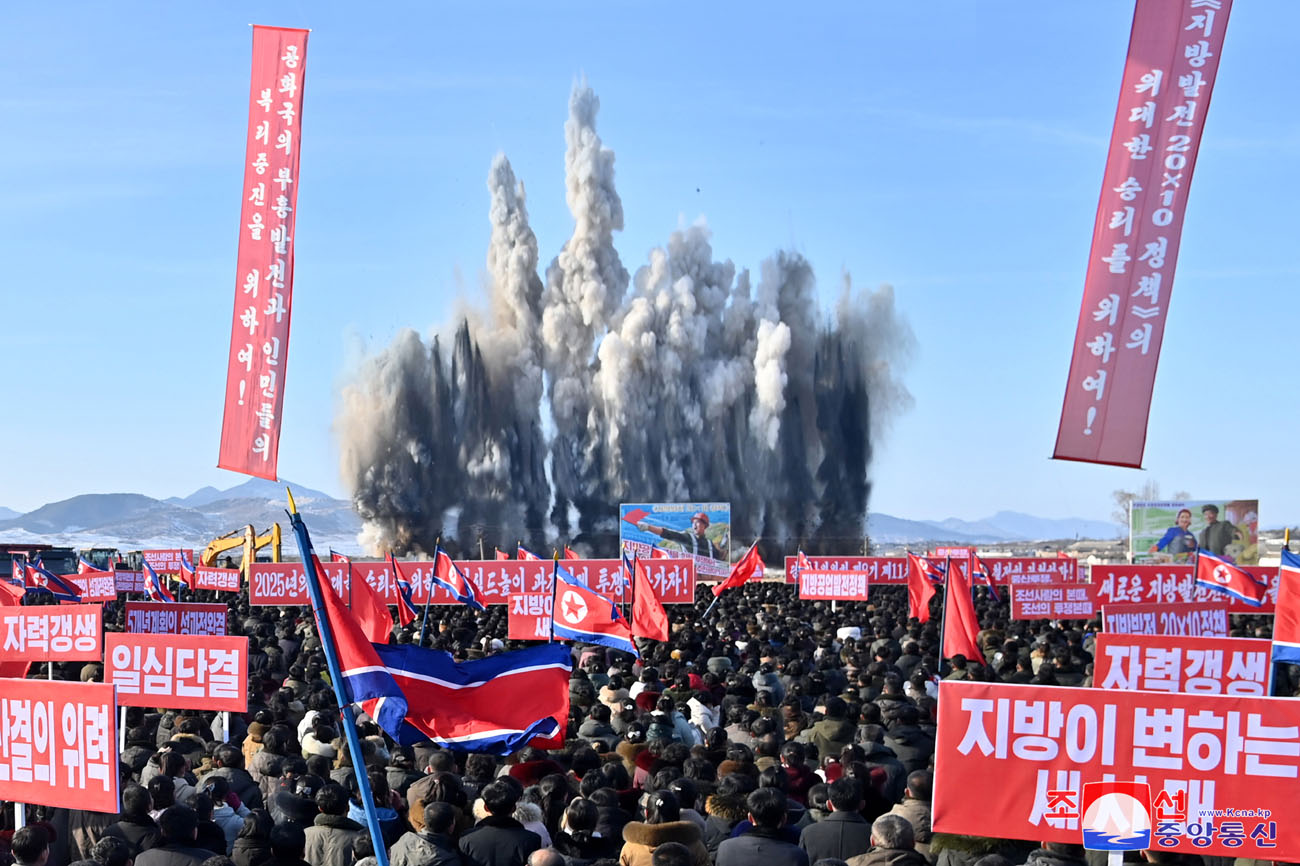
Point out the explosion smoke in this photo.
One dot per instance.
(683, 386)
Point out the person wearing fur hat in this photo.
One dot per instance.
(663, 823)
(725, 808)
(765, 841)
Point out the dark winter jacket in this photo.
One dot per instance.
(242, 783)
(249, 851)
(724, 813)
(840, 835)
(139, 834)
(759, 846)
(830, 736)
(498, 841)
(173, 855)
(911, 745)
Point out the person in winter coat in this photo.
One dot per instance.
(224, 815)
(433, 846)
(391, 824)
(663, 823)
(910, 743)
(135, 827)
(1056, 854)
(229, 764)
(892, 845)
(725, 808)
(256, 730)
(915, 808)
(843, 833)
(139, 746)
(833, 732)
(329, 838)
(764, 843)
(179, 827)
(253, 845)
(578, 839)
(596, 728)
(498, 839)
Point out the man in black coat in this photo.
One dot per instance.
(179, 826)
(135, 828)
(763, 843)
(843, 833)
(892, 845)
(499, 840)
(229, 762)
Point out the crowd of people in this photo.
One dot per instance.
(779, 732)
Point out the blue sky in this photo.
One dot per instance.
(953, 150)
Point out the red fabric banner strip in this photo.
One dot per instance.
(259, 335)
(1173, 59)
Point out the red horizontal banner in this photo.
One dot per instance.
(1196, 665)
(1119, 586)
(833, 585)
(216, 579)
(496, 580)
(1053, 601)
(160, 617)
(1222, 769)
(166, 561)
(892, 570)
(1195, 620)
(178, 671)
(44, 633)
(94, 585)
(58, 744)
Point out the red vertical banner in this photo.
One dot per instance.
(1173, 59)
(259, 335)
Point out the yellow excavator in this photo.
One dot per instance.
(249, 540)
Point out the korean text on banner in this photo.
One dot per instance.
(149, 617)
(188, 672)
(1123, 586)
(1193, 620)
(1173, 58)
(1197, 665)
(1053, 601)
(58, 744)
(45, 633)
(259, 336)
(1222, 768)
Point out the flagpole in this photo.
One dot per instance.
(336, 679)
(480, 548)
(555, 582)
(428, 592)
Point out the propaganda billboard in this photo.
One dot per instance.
(698, 530)
(1172, 531)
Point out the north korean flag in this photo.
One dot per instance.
(1216, 573)
(979, 570)
(450, 578)
(583, 615)
(154, 589)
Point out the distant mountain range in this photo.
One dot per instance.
(132, 521)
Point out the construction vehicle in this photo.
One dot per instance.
(250, 542)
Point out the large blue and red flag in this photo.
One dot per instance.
(43, 580)
(450, 578)
(800, 563)
(920, 587)
(154, 588)
(494, 704)
(979, 570)
(1286, 622)
(1216, 573)
(187, 570)
(582, 615)
(521, 553)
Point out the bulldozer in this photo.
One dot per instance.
(248, 539)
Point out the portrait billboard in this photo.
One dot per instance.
(1172, 531)
(698, 530)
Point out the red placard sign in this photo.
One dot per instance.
(130, 581)
(44, 633)
(180, 671)
(1195, 620)
(1053, 601)
(529, 616)
(58, 744)
(94, 585)
(166, 561)
(1213, 761)
(217, 579)
(285, 583)
(877, 569)
(1122, 586)
(158, 617)
(259, 336)
(1173, 58)
(833, 585)
(1197, 665)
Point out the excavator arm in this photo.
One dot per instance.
(247, 539)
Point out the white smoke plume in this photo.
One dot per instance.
(684, 383)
